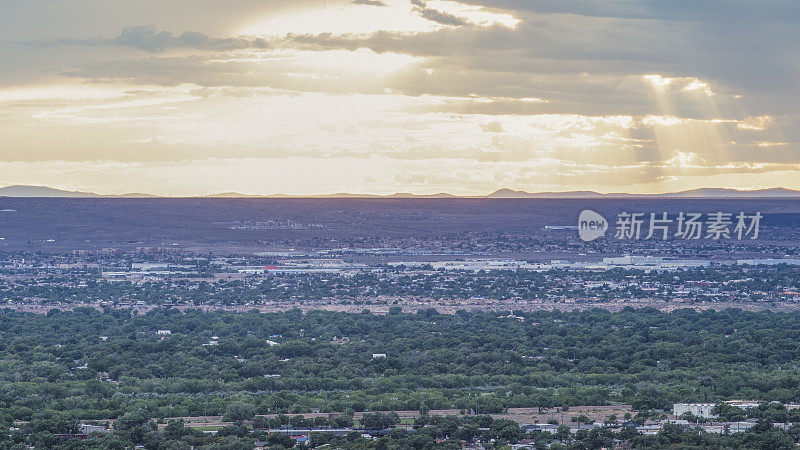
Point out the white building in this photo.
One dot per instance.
(697, 409)
(768, 262)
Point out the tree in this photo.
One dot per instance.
(376, 421)
(563, 433)
(298, 421)
(239, 411)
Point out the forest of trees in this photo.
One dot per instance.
(91, 365)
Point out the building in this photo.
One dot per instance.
(697, 409)
(768, 262)
(561, 228)
(744, 404)
(88, 429)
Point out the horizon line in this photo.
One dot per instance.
(42, 191)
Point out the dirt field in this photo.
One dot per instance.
(519, 415)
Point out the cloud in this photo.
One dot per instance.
(597, 44)
(145, 38)
(755, 123)
(369, 2)
(148, 38)
(442, 17)
(699, 91)
(493, 127)
(680, 10)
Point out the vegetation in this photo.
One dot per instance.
(69, 367)
(727, 283)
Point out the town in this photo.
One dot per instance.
(399, 225)
(593, 425)
(376, 279)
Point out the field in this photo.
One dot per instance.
(519, 415)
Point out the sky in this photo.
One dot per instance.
(304, 97)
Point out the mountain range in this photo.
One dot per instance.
(44, 191)
(692, 193)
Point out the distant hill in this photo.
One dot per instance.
(692, 193)
(337, 195)
(40, 191)
(44, 191)
(734, 193)
(234, 195)
(510, 193)
(406, 195)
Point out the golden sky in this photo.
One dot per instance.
(194, 97)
